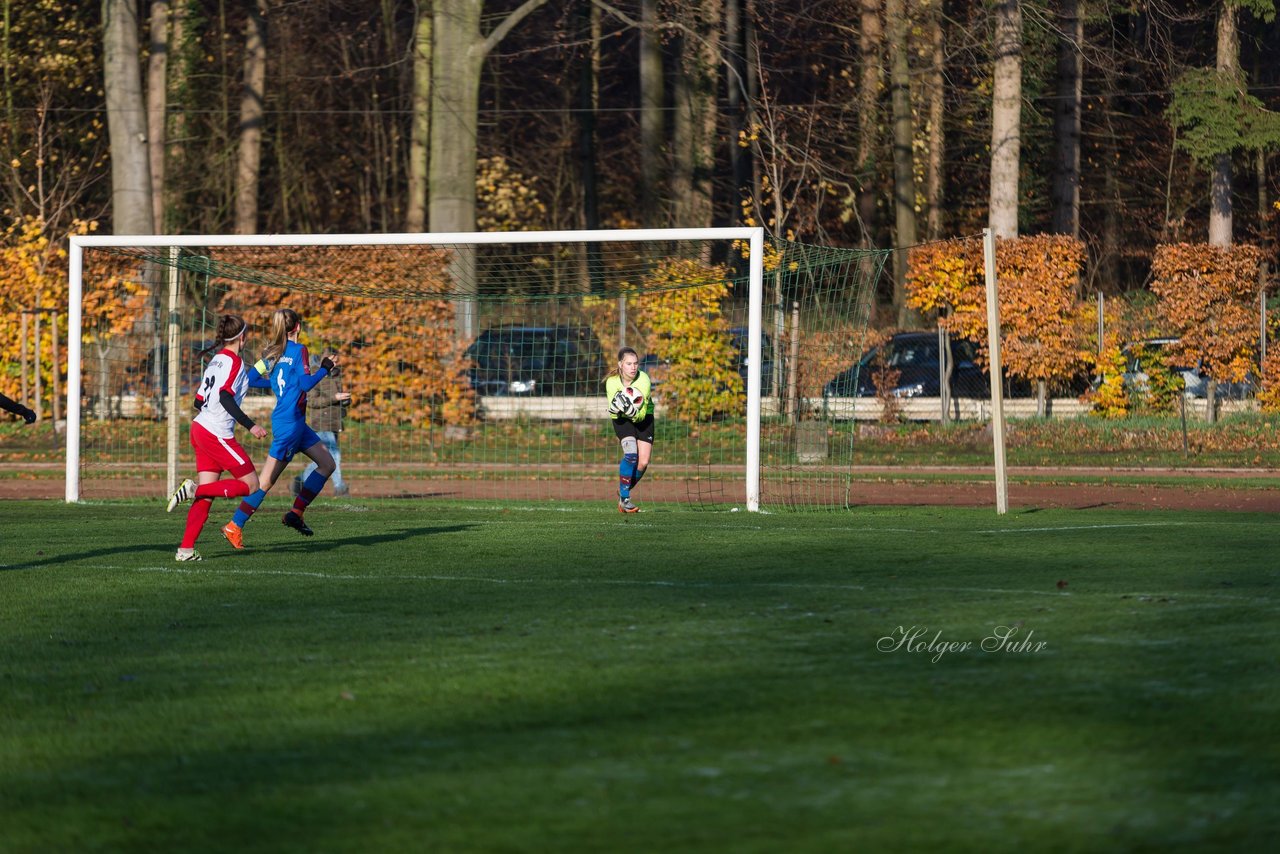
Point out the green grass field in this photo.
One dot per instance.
(448, 677)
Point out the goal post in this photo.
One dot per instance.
(697, 304)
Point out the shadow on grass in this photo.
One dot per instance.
(311, 544)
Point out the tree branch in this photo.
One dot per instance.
(508, 23)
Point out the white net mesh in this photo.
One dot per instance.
(477, 371)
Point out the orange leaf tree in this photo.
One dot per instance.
(1043, 333)
(1269, 394)
(400, 357)
(1208, 296)
(33, 274)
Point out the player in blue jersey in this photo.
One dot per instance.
(287, 366)
(630, 396)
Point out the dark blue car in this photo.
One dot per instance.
(536, 360)
(915, 356)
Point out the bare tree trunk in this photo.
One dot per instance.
(1066, 121)
(681, 179)
(937, 143)
(696, 115)
(420, 133)
(1109, 253)
(1220, 213)
(1006, 119)
(904, 173)
(585, 116)
(651, 125)
(710, 56)
(458, 57)
(736, 96)
(1264, 204)
(158, 106)
(179, 72)
(1268, 235)
(588, 103)
(390, 169)
(870, 44)
(6, 80)
(131, 211)
(249, 151)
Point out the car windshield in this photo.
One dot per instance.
(494, 351)
(916, 352)
(913, 354)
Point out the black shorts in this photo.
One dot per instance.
(642, 430)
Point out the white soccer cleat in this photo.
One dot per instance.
(187, 554)
(184, 493)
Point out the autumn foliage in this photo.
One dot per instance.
(1269, 394)
(400, 355)
(685, 325)
(1208, 298)
(33, 275)
(1043, 334)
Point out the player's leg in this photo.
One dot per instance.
(644, 452)
(197, 515)
(249, 505)
(322, 466)
(214, 455)
(311, 487)
(627, 472)
(644, 436)
(296, 485)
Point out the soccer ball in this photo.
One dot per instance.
(635, 398)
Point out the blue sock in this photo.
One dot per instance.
(311, 487)
(626, 471)
(248, 506)
(635, 478)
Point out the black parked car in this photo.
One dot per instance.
(536, 360)
(915, 356)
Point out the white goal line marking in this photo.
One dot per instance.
(860, 529)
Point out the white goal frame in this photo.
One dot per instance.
(754, 237)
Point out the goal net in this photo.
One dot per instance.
(476, 362)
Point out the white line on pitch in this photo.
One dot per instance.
(1080, 527)
(863, 529)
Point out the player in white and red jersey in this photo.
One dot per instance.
(217, 404)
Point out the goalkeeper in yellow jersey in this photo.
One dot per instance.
(629, 393)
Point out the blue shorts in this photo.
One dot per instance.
(285, 445)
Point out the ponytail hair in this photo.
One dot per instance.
(230, 327)
(625, 351)
(283, 322)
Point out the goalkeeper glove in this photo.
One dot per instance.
(619, 405)
(28, 415)
(327, 364)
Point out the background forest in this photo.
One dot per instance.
(861, 123)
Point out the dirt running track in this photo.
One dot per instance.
(874, 486)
